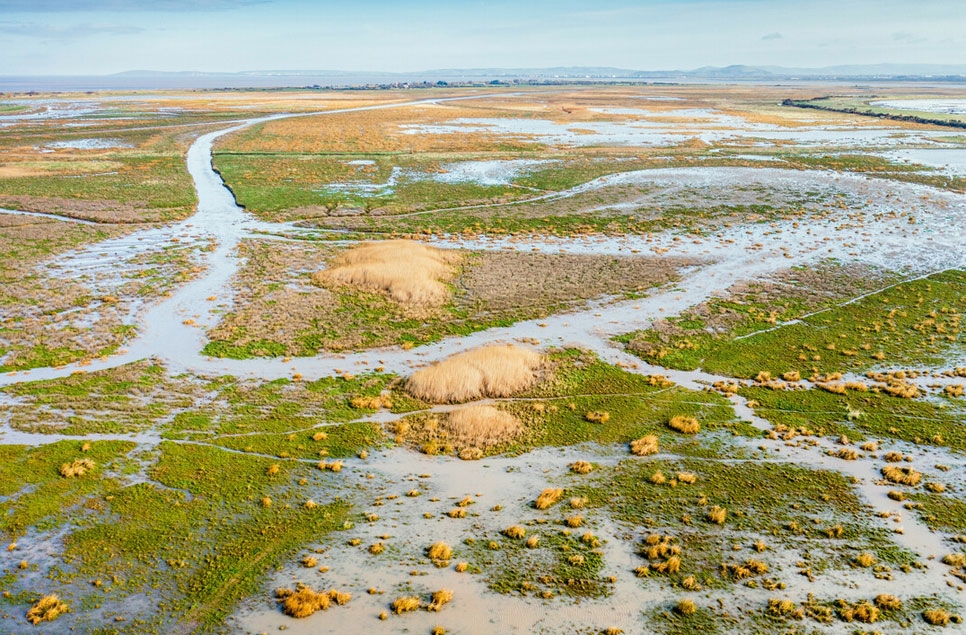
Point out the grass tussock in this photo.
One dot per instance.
(717, 515)
(597, 416)
(936, 617)
(440, 598)
(439, 553)
(888, 602)
(515, 531)
(645, 445)
(581, 467)
(684, 425)
(78, 467)
(548, 497)
(490, 371)
(405, 604)
(411, 274)
(303, 601)
(481, 427)
(46, 609)
(685, 608)
(901, 475)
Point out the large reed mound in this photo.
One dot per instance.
(490, 371)
(410, 273)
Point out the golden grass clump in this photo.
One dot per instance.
(684, 425)
(461, 567)
(645, 445)
(533, 542)
(574, 521)
(340, 597)
(901, 475)
(480, 426)
(439, 553)
(865, 559)
(303, 601)
(936, 617)
(893, 456)
(685, 607)
(515, 531)
(781, 608)
(411, 274)
(441, 597)
(717, 515)
(46, 609)
(848, 454)
(597, 416)
(581, 467)
(955, 559)
(78, 467)
(548, 497)
(490, 371)
(405, 604)
(687, 478)
(888, 602)
(456, 512)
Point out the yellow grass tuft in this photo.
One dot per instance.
(456, 512)
(340, 597)
(955, 559)
(79, 467)
(303, 601)
(888, 602)
(441, 597)
(405, 604)
(533, 542)
(490, 371)
(411, 274)
(687, 478)
(461, 567)
(645, 445)
(901, 475)
(548, 497)
(581, 467)
(46, 609)
(597, 416)
(717, 515)
(936, 617)
(439, 553)
(574, 521)
(865, 559)
(480, 427)
(515, 531)
(684, 425)
(685, 607)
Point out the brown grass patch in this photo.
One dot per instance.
(548, 497)
(901, 475)
(410, 273)
(303, 601)
(405, 604)
(79, 467)
(490, 371)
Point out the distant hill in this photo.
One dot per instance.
(147, 79)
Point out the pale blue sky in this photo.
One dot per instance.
(107, 36)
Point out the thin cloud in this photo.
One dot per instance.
(74, 31)
(80, 6)
(772, 36)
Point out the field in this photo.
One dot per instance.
(561, 359)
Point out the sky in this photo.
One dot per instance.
(90, 37)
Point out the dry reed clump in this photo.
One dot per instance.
(79, 467)
(548, 497)
(411, 274)
(784, 608)
(955, 559)
(717, 515)
(645, 445)
(685, 607)
(936, 617)
(865, 560)
(515, 531)
(490, 371)
(901, 475)
(46, 609)
(848, 454)
(581, 467)
(480, 427)
(340, 597)
(864, 612)
(597, 416)
(405, 604)
(684, 425)
(441, 597)
(303, 601)
(440, 553)
(888, 602)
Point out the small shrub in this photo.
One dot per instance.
(439, 553)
